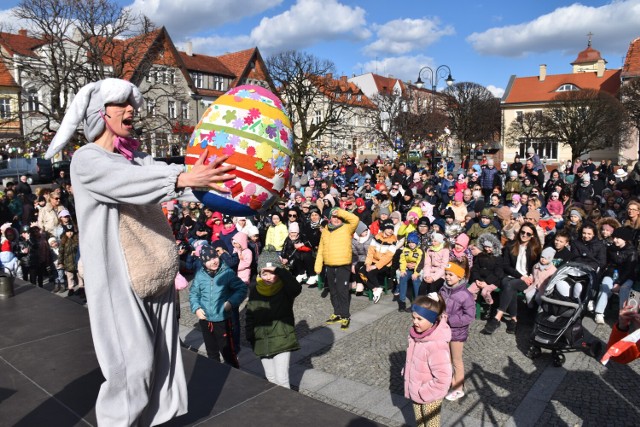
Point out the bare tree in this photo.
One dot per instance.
(474, 113)
(630, 95)
(76, 42)
(527, 128)
(586, 120)
(316, 107)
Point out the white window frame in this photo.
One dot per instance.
(151, 108)
(33, 101)
(5, 108)
(185, 110)
(171, 109)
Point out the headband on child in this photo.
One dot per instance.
(456, 269)
(427, 314)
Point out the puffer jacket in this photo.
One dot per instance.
(334, 249)
(381, 250)
(427, 370)
(488, 268)
(360, 247)
(593, 252)
(210, 293)
(409, 255)
(461, 309)
(622, 259)
(245, 256)
(270, 324)
(435, 262)
(276, 236)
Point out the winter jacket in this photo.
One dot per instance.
(270, 324)
(510, 260)
(478, 230)
(335, 245)
(245, 256)
(461, 309)
(226, 236)
(427, 370)
(487, 178)
(541, 276)
(276, 236)
(593, 252)
(487, 268)
(409, 255)
(435, 263)
(381, 250)
(210, 293)
(360, 248)
(511, 187)
(622, 259)
(68, 254)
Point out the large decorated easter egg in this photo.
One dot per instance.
(249, 124)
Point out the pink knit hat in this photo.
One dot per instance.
(458, 197)
(462, 240)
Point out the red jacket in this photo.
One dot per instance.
(427, 371)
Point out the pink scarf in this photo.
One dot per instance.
(125, 145)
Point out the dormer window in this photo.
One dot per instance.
(567, 87)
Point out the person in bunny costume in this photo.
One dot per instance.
(129, 254)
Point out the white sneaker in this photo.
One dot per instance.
(454, 395)
(590, 306)
(301, 277)
(599, 319)
(377, 293)
(312, 280)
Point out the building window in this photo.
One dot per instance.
(5, 108)
(185, 110)
(348, 96)
(318, 117)
(546, 149)
(151, 108)
(171, 108)
(567, 88)
(198, 79)
(33, 105)
(218, 83)
(519, 116)
(359, 98)
(171, 76)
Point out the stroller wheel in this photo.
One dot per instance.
(534, 352)
(558, 359)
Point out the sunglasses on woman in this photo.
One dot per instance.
(526, 233)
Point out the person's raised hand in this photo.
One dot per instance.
(210, 175)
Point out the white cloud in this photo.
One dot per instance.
(496, 91)
(401, 36)
(306, 23)
(183, 17)
(309, 22)
(613, 25)
(404, 68)
(9, 23)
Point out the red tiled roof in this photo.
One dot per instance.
(386, 84)
(339, 89)
(631, 66)
(531, 89)
(205, 63)
(6, 79)
(20, 44)
(238, 62)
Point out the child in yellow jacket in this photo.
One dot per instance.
(411, 262)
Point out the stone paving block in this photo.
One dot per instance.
(344, 390)
(313, 380)
(324, 336)
(307, 348)
(254, 367)
(382, 402)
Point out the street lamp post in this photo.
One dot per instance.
(442, 72)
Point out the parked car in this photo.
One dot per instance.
(38, 171)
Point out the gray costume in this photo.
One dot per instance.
(136, 340)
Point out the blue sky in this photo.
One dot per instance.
(481, 41)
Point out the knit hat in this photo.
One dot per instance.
(416, 177)
(504, 165)
(455, 268)
(531, 151)
(533, 216)
(396, 214)
(548, 253)
(329, 198)
(361, 228)
(413, 237)
(268, 258)
(227, 219)
(360, 202)
(624, 233)
(555, 194)
(576, 213)
(515, 198)
(513, 174)
(386, 225)
(384, 211)
(294, 227)
(424, 221)
(437, 238)
(462, 240)
(251, 230)
(458, 197)
(487, 213)
(88, 105)
(448, 213)
(207, 253)
(503, 213)
(411, 214)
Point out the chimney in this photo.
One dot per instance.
(23, 32)
(343, 78)
(189, 49)
(329, 76)
(600, 68)
(543, 72)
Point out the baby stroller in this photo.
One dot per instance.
(558, 324)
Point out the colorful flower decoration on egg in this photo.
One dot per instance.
(249, 124)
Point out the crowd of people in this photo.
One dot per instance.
(39, 235)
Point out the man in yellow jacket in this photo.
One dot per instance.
(334, 253)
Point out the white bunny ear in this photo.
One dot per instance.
(433, 296)
(74, 116)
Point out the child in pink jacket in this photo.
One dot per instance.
(427, 370)
(241, 247)
(435, 260)
(542, 272)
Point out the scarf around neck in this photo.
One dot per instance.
(268, 290)
(125, 145)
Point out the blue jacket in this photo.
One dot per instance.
(210, 293)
